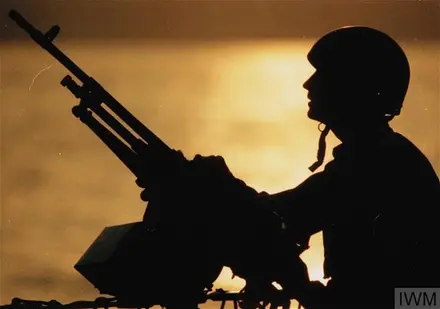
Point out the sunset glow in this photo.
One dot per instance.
(244, 101)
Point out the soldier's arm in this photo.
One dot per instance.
(306, 209)
(318, 201)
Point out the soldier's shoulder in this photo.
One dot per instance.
(407, 149)
(409, 157)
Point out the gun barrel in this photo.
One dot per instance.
(119, 148)
(45, 41)
(125, 115)
(99, 93)
(128, 154)
(23, 23)
(92, 96)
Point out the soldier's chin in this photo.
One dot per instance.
(314, 115)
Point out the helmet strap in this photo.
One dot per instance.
(321, 148)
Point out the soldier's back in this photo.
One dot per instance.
(396, 244)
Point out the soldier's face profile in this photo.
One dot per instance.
(320, 96)
(329, 94)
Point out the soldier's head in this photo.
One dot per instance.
(362, 75)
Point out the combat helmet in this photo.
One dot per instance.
(365, 55)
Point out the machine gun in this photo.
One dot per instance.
(133, 261)
(92, 98)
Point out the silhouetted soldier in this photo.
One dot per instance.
(376, 202)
